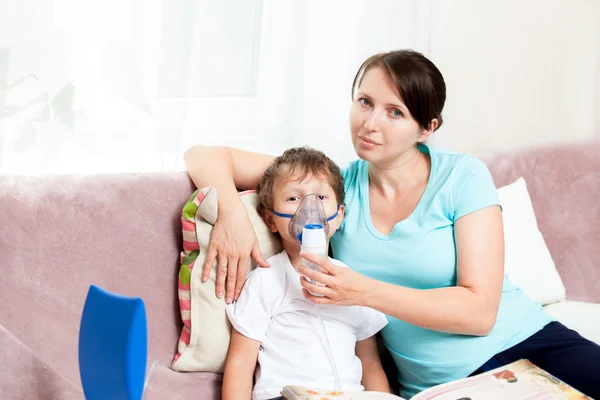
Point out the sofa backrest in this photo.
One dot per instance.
(122, 232)
(59, 234)
(564, 184)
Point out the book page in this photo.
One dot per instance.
(303, 393)
(519, 380)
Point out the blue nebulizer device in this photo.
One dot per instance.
(113, 346)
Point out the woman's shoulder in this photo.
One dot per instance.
(459, 165)
(450, 156)
(466, 179)
(352, 168)
(353, 173)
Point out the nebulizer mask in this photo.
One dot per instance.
(309, 225)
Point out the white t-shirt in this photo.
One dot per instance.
(272, 310)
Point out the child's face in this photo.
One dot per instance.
(287, 196)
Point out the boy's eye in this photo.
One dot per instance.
(293, 198)
(322, 196)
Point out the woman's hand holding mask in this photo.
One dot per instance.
(343, 286)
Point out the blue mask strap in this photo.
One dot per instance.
(282, 215)
(334, 215)
(292, 216)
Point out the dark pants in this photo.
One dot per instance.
(560, 351)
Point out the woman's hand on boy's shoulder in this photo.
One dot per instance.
(232, 242)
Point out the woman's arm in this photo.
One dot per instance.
(373, 376)
(472, 305)
(233, 240)
(239, 367)
(227, 169)
(468, 308)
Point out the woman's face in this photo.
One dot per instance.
(382, 128)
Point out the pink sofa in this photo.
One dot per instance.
(59, 234)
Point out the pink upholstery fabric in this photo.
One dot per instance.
(19, 365)
(564, 184)
(58, 235)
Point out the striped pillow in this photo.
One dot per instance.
(204, 339)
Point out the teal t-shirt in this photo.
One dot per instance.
(420, 252)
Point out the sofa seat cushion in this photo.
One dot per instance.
(579, 316)
(24, 375)
(165, 383)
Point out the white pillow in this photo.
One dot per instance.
(528, 262)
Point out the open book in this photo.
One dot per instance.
(519, 380)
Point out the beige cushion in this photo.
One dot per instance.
(204, 340)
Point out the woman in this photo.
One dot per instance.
(423, 235)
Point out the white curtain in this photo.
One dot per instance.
(127, 85)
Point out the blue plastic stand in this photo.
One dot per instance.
(113, 343)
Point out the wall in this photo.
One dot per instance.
(519, 73)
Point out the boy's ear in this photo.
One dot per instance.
(269, 221)
(337, 221)
(341, 212)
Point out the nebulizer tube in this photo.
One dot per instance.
(314, 240)
(338, 385)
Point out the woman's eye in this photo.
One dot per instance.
(396, 113)
(364, 102)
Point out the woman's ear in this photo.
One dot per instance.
(425, 133)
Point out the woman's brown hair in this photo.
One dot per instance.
(418, 81)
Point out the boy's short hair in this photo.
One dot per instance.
(299, 162)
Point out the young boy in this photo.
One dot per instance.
(272, 321)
